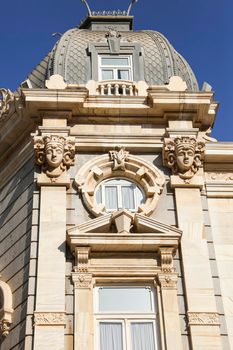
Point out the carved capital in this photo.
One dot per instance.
(82, 258)
(82, 280)
(7, 100)
(49, 319)
(54, 153)
(168, 280)
(203, 318)
(118, 156)
(184, 155)
(166, 257)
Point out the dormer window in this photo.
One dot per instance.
(115, 67)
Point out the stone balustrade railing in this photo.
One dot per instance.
(117, 88)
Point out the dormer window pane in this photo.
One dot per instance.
(115, 68)
(107, 74)
(123, 74)
(115, 61)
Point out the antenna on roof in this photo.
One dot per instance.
(130, 6)
(87, 6)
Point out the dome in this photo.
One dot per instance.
(71, 58)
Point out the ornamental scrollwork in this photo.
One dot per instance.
(118, 156)
(54, 153)
(7, 99)
(184, 155)
(203, 318)
(166, 257)
(49, 318)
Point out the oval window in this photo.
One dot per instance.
(117, 194)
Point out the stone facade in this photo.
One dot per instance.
(59, 241)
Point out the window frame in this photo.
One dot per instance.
(126, 318)
(115, 68)
(137, 201)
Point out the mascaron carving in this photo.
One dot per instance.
(49, 318)
(203, 318)
(5, 328)
(7, 98)
(184, 155)
(118, 156)
(54, 153)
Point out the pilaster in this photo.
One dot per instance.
(54, 153)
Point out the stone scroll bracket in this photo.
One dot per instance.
(119, 163)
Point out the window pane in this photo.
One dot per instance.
(111, 197)
(125, 299)
(115, 61)
(127, 193)
(107, 74)
(123, 74)
(142, 336)
(99, 195)
(111, 336)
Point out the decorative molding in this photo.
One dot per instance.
(219, 177)
(49, 318)
(184, 155)
(119, 157)
(203, 318)
(55, 154)
(166, 256)
(7, 100)
(82, 280)
(168, 280)
(145, 174)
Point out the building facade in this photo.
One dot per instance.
(116, 203)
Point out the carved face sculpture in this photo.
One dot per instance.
(54, 154)
(185, 158)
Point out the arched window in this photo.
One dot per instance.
(119, 193)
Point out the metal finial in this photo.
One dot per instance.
(88, 8)
(130, 6)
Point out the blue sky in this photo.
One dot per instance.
(200, 30)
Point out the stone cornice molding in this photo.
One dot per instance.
(199, 106)
(134, 168)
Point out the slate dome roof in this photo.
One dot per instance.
(70, 58)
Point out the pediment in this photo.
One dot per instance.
(123, 231)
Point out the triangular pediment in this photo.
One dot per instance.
(138, 224)
(123, 231)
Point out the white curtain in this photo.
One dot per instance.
(111, 336)
(111, 197)
(142, 336)
(127, 197)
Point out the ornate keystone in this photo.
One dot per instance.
(7, 99)
(184, 155)
(118, 156)
(54, 153)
